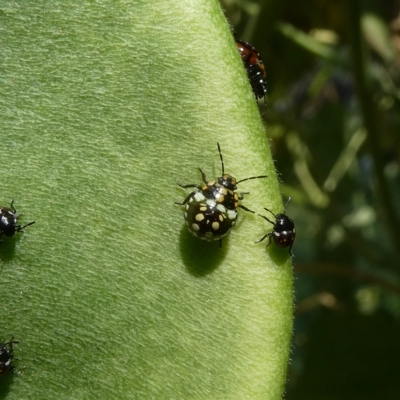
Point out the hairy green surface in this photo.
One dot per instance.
(104, 106)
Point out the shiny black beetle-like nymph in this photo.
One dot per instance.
(9, 221)
(284, 231)
(6, 356)
(211, 210)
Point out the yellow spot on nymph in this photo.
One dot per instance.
(204, 208)
(215, 225)
(199, 217)
(195, 227)
(221, 218)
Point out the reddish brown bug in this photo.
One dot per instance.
(255, 69)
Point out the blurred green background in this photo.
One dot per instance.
(333, 121)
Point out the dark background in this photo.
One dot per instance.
(333, 121)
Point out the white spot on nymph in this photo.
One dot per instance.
(195, 227)
(294, 230)
(211, 203)
(185, 214)
(220, 198)
(208, 234)
(199, 217)
(199, 196)
(221, 217)
(232, 214)
(187, 207)
(215, 225)
(221, 208)
(277, 234)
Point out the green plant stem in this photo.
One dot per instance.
(104, 106)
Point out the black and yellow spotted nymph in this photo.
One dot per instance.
(211, 210)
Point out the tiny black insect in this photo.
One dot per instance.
(6, 356)
(211, 210)
(255, 69)
(8, 221)
(284, 231)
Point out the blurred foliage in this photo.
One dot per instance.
(333, 121)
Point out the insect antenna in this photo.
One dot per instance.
(288, 200)
(252, 177)
(220, 156)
